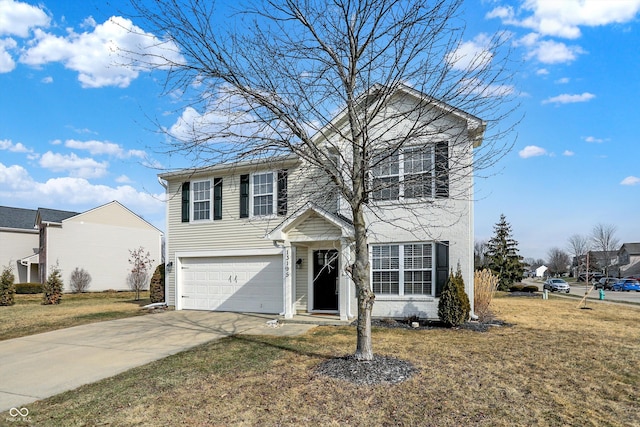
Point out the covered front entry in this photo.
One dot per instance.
(326, 284)
(317, 254)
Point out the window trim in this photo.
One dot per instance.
(274, 194)
(193, 201)
(401, 271)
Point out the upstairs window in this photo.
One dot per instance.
(412, 173)
(263, 194)
(201, 200)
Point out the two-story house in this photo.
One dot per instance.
(273, 235)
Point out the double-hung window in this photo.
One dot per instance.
(411, 173)
(201, 200)
(263, 194)
(403, 269)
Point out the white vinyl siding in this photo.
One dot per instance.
(404, 269)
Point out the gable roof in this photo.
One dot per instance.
(53, 215)
(631, 248)
(345, 226)
(475, 125)
(17, 218)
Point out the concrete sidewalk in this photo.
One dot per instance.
(42, 365)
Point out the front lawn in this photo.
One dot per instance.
(28, 316)
(556, 365)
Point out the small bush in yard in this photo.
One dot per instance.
(138, 277)
(530, 288)
(156, 288)
(454, 306)
(7, 288)
(79, 281)
(28, 288)
(52, 288)
(485, 284)
(516, 288)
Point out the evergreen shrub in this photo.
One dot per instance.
(156, 287)
(52, 288)
(7, 288)
(28, 288)
(454, 306)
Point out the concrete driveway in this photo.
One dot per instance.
(42, 365)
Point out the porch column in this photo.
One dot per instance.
(344, 285)
(287, 267)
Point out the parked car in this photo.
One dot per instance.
(606, 283)
(556, 285)
(626, 285)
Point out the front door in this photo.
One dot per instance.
(325, 280)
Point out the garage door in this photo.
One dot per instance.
(244, 284)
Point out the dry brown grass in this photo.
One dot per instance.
(557, 365)
(28, 316)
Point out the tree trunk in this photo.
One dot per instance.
(364, 347)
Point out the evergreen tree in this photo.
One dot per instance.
(7, 288)
(454, 306)
(52, 288)
(502, 255)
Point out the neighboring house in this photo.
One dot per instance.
(97, 241)
(244, 238)
(629, 259)
(541, 271)
(19, 240)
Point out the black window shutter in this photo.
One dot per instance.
(442, 170)
(282, 192)
(217, 198)
(442, 266)
(185, 201)
(244, 196)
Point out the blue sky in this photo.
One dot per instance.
(77, 120)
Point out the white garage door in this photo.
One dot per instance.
(244, 283)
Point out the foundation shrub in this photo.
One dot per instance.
(7, 288)
(156, 287)
(28, 288)
(454, 306)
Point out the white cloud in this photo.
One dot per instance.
(74, 165)
(17, 187)
(566, 98)
(123, 179)
(479, 87)
(548, 51)
(568, 153)
(471, 55)
(17, 18)
(630, 180)
(112, 54)
(103, 148)
(6, 60)
(532, 151)
(564, 18)
(542, 72)
(593, 139)
(47, 80)
(563, 81)
(6, 144)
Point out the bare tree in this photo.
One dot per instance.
(479, 250)
(270, 79)
(80, 280)
(578, 247)
(558, 261)
(604, 240)
(141, 264)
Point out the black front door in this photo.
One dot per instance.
(325, 280)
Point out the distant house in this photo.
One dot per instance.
(98, 241)
(629, 259)
(541, 271)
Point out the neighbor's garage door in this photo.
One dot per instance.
(245, 284)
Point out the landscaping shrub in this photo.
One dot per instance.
(7, 288)
(485, 284)
(80, 280)
(530, 289)
(156, 288)
(516, 288)
(454, 306)
(52, 288)
(138, 277)
(28, 288)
